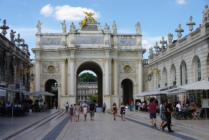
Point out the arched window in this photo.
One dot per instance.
(164, 77)
(183, 71)
(197, 68)
(173, 75)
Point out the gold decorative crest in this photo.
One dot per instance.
(51, 68)
(127, 68)
(88, 16)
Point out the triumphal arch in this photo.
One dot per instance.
(115, 58)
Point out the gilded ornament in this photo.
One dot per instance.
(88, 16)
(127, 68)
(51, 69)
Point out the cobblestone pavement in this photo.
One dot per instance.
(196, 128)
(9, 125)
(136, 126)
(105, 128)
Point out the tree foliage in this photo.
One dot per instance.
(94, 97)
(87, 77)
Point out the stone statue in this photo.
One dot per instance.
(72, 28)
(38, 26)
(163, 42)
(12, 36)
(4, 27)
(106, 28)
(205, 14)
(179, 31)
(190, 24)
(170, 38)
(18, 40)
(157, 48)
(63, 27)
(138, 28)
(150, 53)
(114, 28)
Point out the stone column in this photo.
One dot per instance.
(116, 77)
(115, 98)
(37, 75)
(140, 79)
(71, 80)
(63, 79)
(107, 77)
(107, 83)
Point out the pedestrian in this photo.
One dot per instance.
(139, 106)
(85, 109)
(92, 108)
(122, 111)
(162, 115)
(66, 107)
(104, 107)
(71, 113)
(168, 113)
(114, 110)
(77, 112)
(152, 111)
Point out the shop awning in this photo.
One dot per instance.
(152, 93)
(200, 85)
(174, 91)
(41, 93)
(2, 92)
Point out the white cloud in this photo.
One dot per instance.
(148, 42)
(66, 12)
(47, 10)
(181, 1)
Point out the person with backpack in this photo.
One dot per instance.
(92, 108)
(71, 112)
(152, 111)
(66, 107)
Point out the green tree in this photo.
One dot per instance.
(94, 97)
(87, 77)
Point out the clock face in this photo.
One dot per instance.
(51, 68)
(127, 68)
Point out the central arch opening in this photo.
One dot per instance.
(90, 89)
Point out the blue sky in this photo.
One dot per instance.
(157, 17)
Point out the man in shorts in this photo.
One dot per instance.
(92, 108)
(152, 111)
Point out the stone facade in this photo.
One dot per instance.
(85, 90)
(182, 61)
(89, 48)
(117, 57)
(14, 64)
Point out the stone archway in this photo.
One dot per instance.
(92, 66)
(51, 86)
(127, 86)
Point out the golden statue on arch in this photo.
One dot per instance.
(89, 16)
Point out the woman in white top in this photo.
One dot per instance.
(85, 109)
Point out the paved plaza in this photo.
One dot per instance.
(136, 126)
